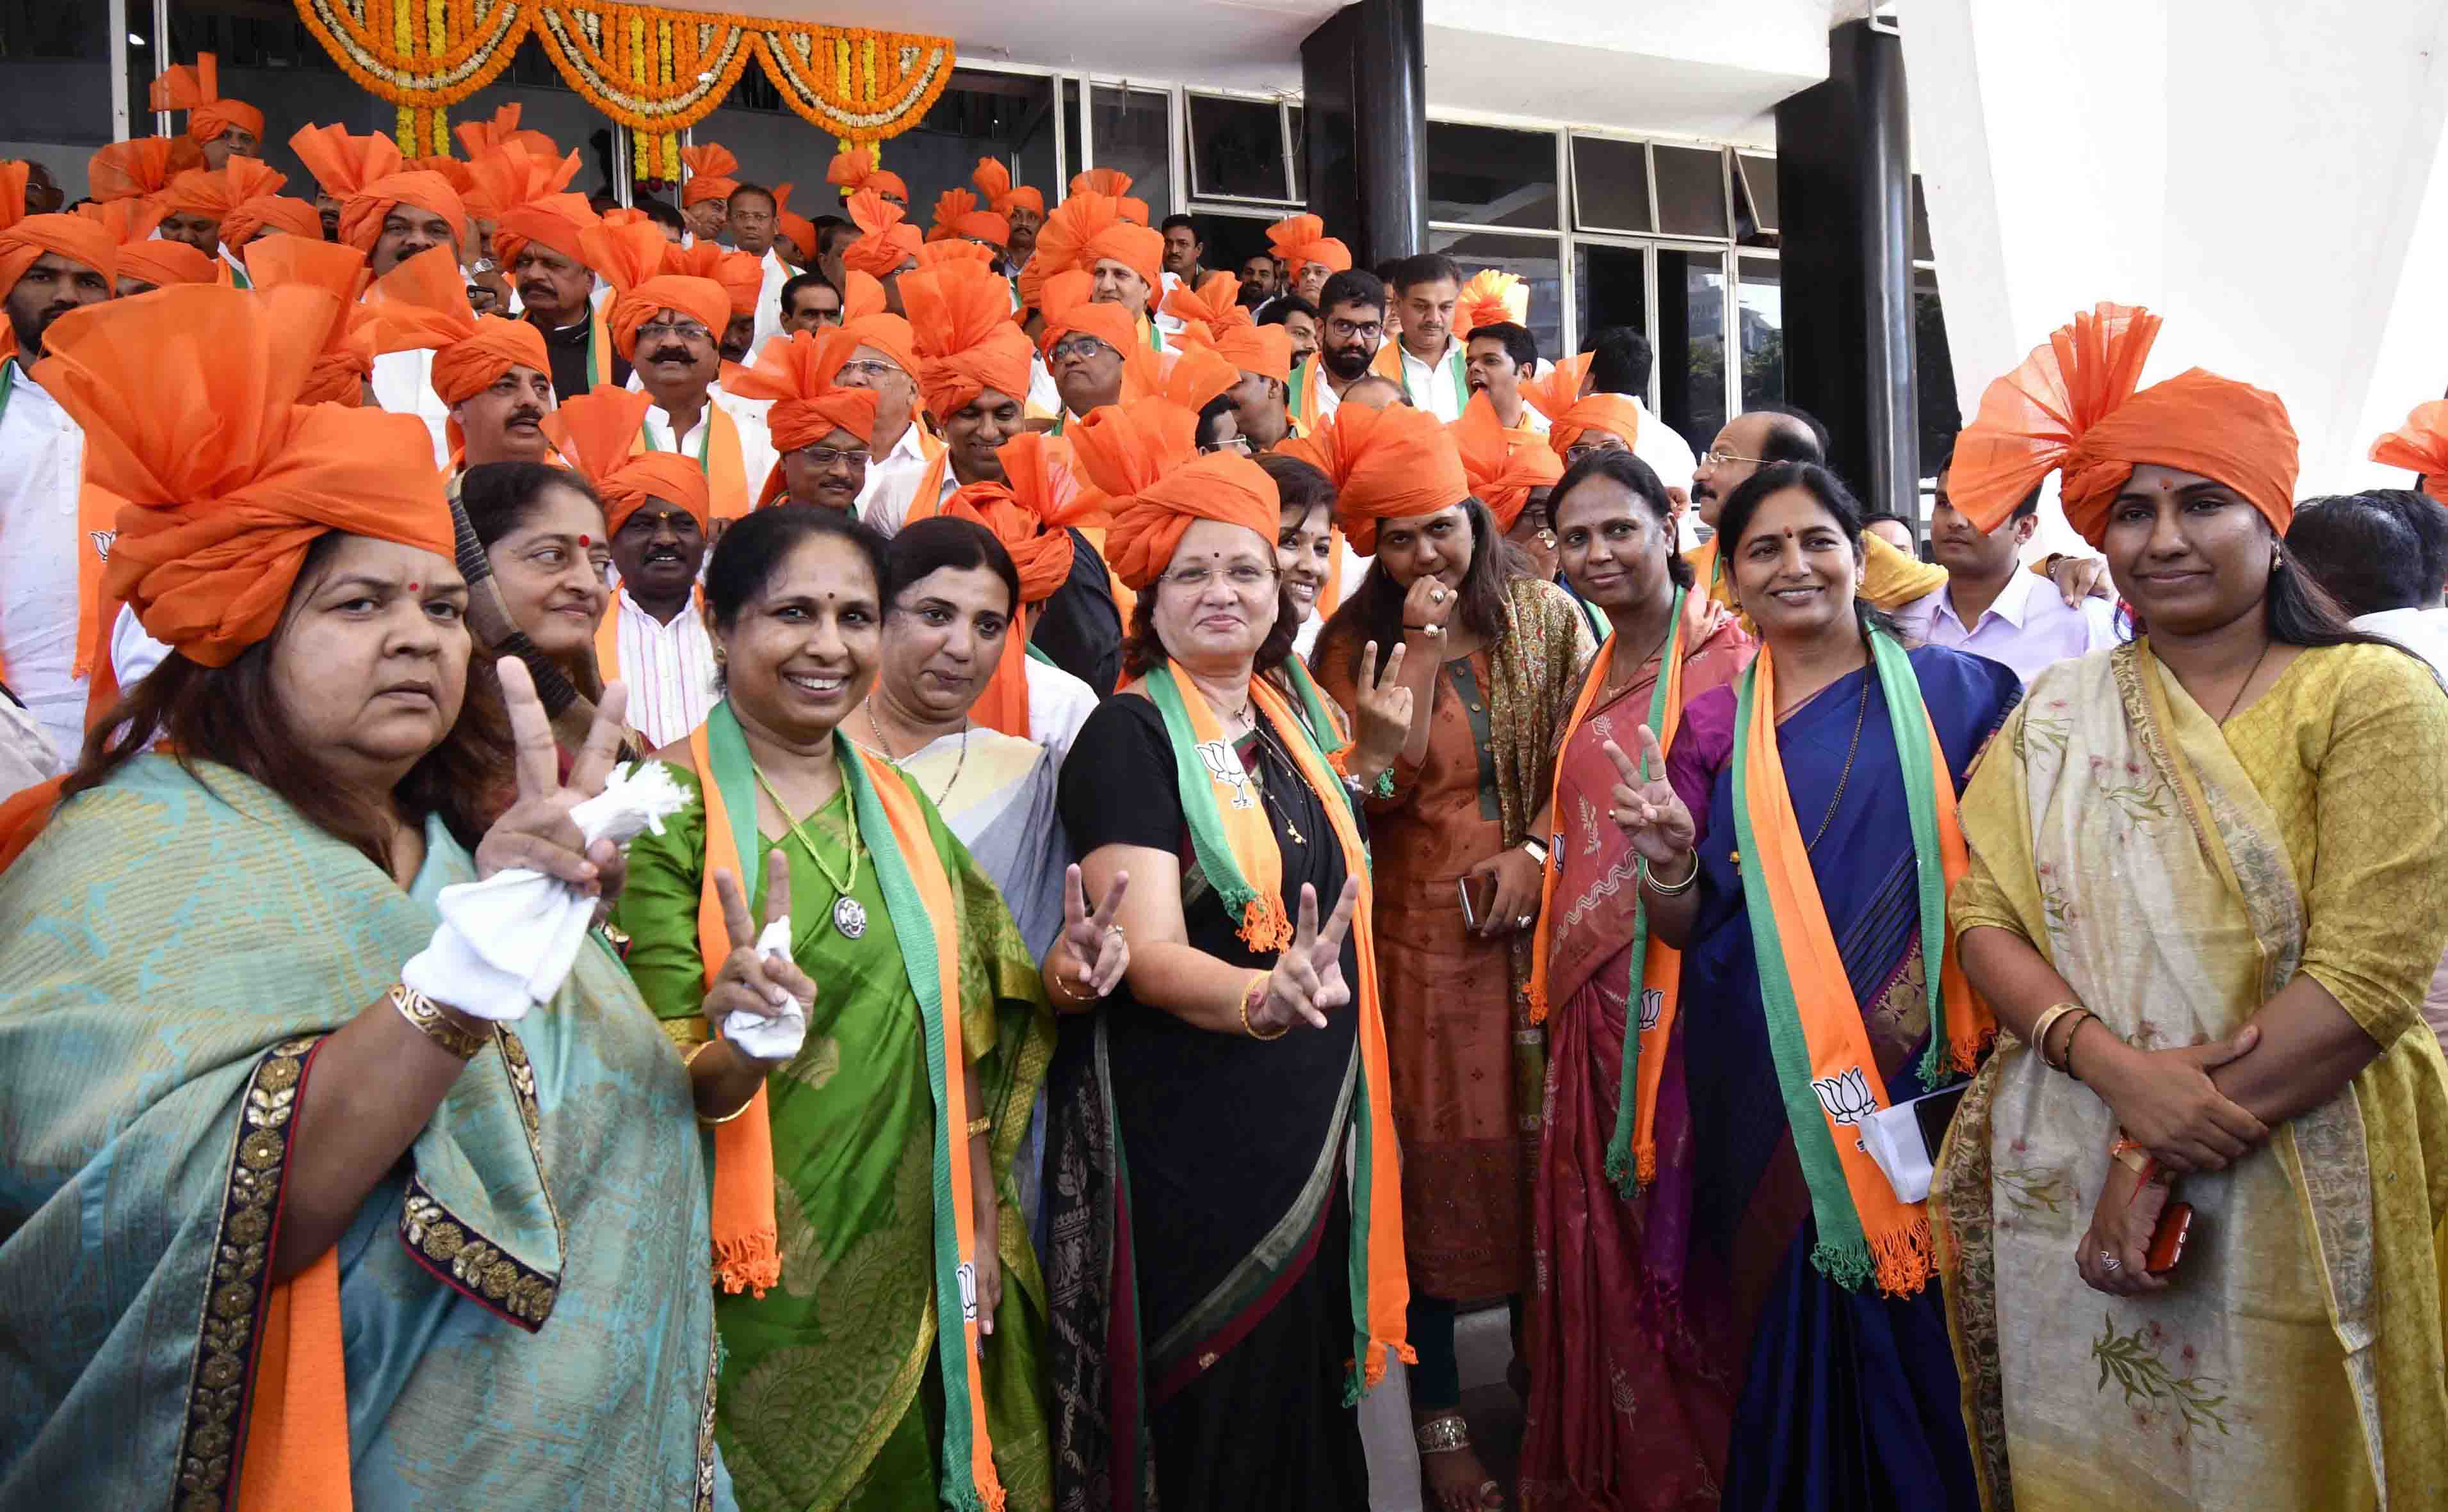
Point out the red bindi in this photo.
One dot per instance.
(413, 587)
(585, 540)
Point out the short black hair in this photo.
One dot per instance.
(1353, 286)
(1519, 344)
(1283, 306)
(663, 213)
(1784, 443)
(2364, 551)
(1427, 267)
(1299, 485)
(1215, 409)
(1875, 516)
(827, 227)
(1643, 483)
(744, 187)
(1622, 360)
(798, 281)
(1185, 223)
(927, 546)
(752, 550)
(2430, 522)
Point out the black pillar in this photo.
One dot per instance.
(1365, 98)
(1845, 189)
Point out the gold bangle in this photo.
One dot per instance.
(2040, 1031)
(981, 1126)
(1251, 997)
(437, 1026)
(688, 1062)
(1659, 889)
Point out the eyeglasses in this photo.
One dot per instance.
(1718, 457)
(1244, 577)
(1237, 446)
(1588, 448)
(826, 459)
(678, 330)
(869, 367)
(1346, 329)
(1080, 347)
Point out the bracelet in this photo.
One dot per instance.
(1062, 993)
(689, 1061)
(1432, 631)
(1250, 997)
(2135, 1156)
(437, 1026)
(2047, 1021)
(2087, 1018)
(981, 1124)
(1656, 888)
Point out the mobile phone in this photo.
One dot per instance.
(1478, 898)
(2168, 1240)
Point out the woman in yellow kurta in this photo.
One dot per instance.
(2204, 900)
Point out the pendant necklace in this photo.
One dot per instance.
(849, 914)
(1292, 830)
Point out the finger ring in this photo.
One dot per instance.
(1436, 596)
(1113, 932)
(1522, 922)
(2109, 1263)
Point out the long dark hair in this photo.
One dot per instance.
(1642, 482)
(499, 498)
(1374, 609)
(229, 714)
(1831, 495)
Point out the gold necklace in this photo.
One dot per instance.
(849, 917)
(885, 748)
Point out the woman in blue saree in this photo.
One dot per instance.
(1805, 1271)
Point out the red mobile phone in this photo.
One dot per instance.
(2168, 1240)
(1478, 898)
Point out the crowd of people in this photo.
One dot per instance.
(689, 856)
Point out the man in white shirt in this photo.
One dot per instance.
(666, 328)
(754, 216)
(1423, 357)
(1992, 606)
(50, 265)
(661, 648)
(902, 457)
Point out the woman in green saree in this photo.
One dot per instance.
(926, 1036)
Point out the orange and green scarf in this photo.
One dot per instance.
(1816, 1036)
(1235, 847)
(918, 896)
(1656, 968)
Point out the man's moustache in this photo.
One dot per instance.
(671, 354)
(526, 417)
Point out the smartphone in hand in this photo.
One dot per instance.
(1478, 899)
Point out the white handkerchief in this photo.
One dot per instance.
(1892, 1137)
(769, 1039)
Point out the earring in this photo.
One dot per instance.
(718, 657)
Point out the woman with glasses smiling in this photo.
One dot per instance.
(1492, 659)
(1223, 1286)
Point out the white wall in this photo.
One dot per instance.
(2260, 172)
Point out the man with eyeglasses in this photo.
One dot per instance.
(1352, 328)
(1085, 342)
(819, 422)
(902, 452)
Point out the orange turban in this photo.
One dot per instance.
(346, 355)
(809, 405)
(365, 174)
(1116, 185)
(801, 232)
(1557, 394)
(630, 258)
(1208, 308)
(2071, 407)
(741, 275)
(993, 180)
(861, 168)
(422, 304)
(1388, 464)
(221, 191)
(1491, 298)
(960, 315)
(886, 239)
(1068, 308)
(2420, 445)
(190, 403)
(253, 217)
(510, 176)
(958, 249)
(710, 168)
(862, 295)
(957, 215)
(598, 432)
(458, 174)
(1089, 228)
(1143, 457)
(24, 239)
(558, 223)
(125, 170)
(1503, 465)
(1215, 317)
(480, 138)
(157, 260)
(1027, 512)
(195, 89)
(1302, 239)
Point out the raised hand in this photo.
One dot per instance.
(1098, 949)
(761, 986)
(1382, 720)
(1307, 982)
(536, 832)
(1645, 805)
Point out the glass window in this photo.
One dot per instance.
(1691, 191)
(1760, 329)
(1757, 177)
(1074, 158)
(1533, 258)
(1609, 288)
(1610, 184)
(1231, 239)
(55, 62)
(1297, 119)
(1486, 176)
(1236, 149)
(1133, 132)
(1692, 343)
(1922, 251)
(1933, 373)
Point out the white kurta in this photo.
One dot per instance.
(42, 467)
(1439, 387)
(669, 670)
(1663, 447)
(403, 383)
(892, 481)
(1059, 703)
(757, 453)
(769, 298)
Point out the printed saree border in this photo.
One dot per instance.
(458, 1255)
(221, 1383)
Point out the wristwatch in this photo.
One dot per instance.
(1538, 852)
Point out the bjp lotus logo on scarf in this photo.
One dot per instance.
(1845, 1097)
(1653, 1003)
(1224, 768)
